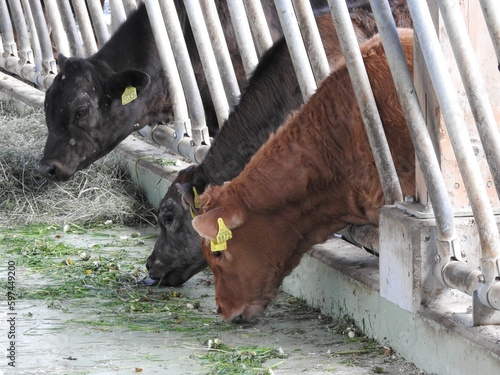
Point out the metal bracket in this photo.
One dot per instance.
(483, 315)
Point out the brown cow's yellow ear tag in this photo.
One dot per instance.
(223, 235)
(129, 95)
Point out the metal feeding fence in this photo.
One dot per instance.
(455, 180)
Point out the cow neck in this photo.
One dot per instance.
(318, 172)
(271, 94)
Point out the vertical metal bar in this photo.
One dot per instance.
(208, 61)
(415, 120)
(8, 41)
(118, 15)
(457, 130)
(58, 34)
(491, 12)
(312, 39)
(23, 39)
(483, 213)
(168, 63)
(258, 25)
(366, 102)
(296, 46)
(69, 24)
(98, 22)
(89, 42)
(243, 36)
(36, 50)
(199, 130)
(48, 62)
(221, 52)
(130, 6)
(474, 85)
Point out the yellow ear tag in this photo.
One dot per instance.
(223, 235)
(129, 95)
(196, 200)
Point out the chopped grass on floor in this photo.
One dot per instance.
(239, 360)
(99, 277)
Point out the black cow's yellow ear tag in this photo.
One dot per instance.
(129, 95)
(196, 200)
(223, 235)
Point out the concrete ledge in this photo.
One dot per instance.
(341, 279)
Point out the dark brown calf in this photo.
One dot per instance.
(314, 176)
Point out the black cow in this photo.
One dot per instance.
(86, 116)
(272, 93)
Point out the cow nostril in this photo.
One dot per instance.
(238, 319)
(47, 169)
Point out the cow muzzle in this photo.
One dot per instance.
(55, 170)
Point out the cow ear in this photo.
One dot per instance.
(206, 224)
(188, 195)
(61, 59)
(130, 77)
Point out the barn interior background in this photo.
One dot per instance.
(434, 290)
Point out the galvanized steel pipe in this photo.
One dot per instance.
(483, 213)
(258, 25)
(168, 137)
(168, 63)
(8, 41)
(42, 30)
(422, 142)
(57, 30)
(35, 50)
(87, 34)
(118, 15)
(491, 12)
(72, 33)
(366, 101)
(98, 22)
(221, 51)
(474, 85)
(197, 129)
(312, 40)
(243, 36)
(130, 6)
(208, 61)
(296, 47)
(23, 39)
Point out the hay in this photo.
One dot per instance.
(102, 192)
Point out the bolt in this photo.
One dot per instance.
(457, 185)
(410, 199)
(489, 184)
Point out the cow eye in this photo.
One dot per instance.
(167, 218)
(217, 254)
(81, 113)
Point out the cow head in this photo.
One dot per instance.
(89, 109)
(248, 273)
(177, 255)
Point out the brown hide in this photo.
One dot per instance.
(315, 176)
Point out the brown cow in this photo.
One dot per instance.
(314, 176)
